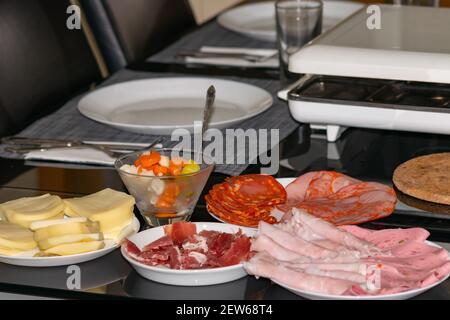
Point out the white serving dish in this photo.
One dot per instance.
(26, 259)
(396, 296)
(200, 277)
(159, 106)
(257, 20)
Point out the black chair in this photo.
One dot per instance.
(131, 30)
(42, 62)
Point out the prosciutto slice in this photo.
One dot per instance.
(345, 260)
(339, 199)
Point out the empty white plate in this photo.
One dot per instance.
(158, 106)
(257, 20)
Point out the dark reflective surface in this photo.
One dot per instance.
(365, 154)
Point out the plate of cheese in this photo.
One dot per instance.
(48, 231)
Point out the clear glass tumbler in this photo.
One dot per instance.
(298, 22)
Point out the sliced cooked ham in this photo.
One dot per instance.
(265, 266)
(390, 261)
(293, 243)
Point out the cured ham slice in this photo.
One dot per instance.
(351, 260)
(339, 199)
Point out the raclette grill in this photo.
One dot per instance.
(397, 78)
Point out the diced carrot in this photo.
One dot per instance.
(166, 214)
(139, 170)
(164, 203)
(160, 170)
(177, 162)
(137, 163)
(174, 169)
(149, 160)
(172, 190)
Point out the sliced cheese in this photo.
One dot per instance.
(10, 252)
(47, 223)
(16, 237)
(75, 248)
(120, 232)
(64, 229)
(111, 209)
(68, 238)
(23, 211)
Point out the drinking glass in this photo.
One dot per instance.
(298, 22)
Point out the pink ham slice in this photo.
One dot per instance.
(339, 199)
(396, 259)
(265, 266)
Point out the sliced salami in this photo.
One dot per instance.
(340, 199)
(246, 200)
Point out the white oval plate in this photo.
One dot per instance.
(199, 277)
(26, 259)
(283, 181)
(257, 20)
(159, 106)
(396, 296)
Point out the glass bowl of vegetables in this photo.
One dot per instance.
(166, 183)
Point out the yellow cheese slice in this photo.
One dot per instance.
(75, 248)
(64, 229)
(47, 223)
(111, 209)
(10, 252)
(13, 236)
(120, 232)
(23, 211)
(68, 238)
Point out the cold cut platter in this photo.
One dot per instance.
(307, 240)
(335, 197)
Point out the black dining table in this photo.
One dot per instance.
(366, 154)
(361, 153)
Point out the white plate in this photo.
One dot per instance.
(257, 20)
(27, 259)
(199, 277)
(158, 106)
(283, 181)
(396, 296)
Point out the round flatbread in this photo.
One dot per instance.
(426, 177)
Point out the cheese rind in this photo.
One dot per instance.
(16, 237)
(111, 209)
(75, 248)
(23, 211)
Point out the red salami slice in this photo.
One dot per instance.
(340, 199)
(246, 200)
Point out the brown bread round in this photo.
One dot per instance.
(426, 177)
